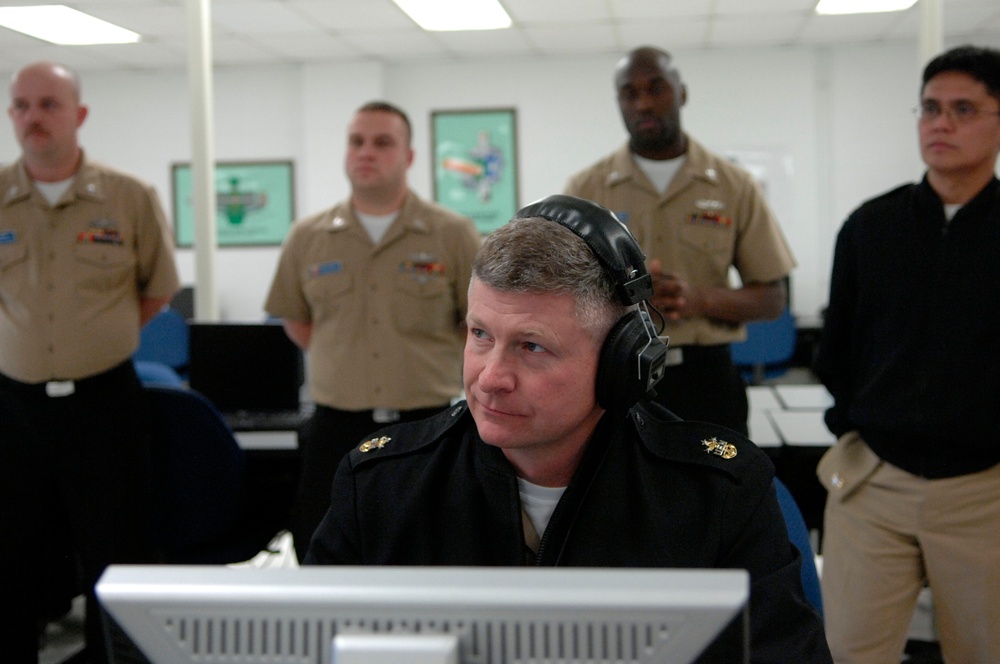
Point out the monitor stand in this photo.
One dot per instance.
(395, 648)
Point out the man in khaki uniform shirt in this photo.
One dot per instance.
(375, 289)
(695, 214)
(85, 260)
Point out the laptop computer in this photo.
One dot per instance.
(252, 372)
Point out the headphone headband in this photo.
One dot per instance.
(633, 359)
(607, 237)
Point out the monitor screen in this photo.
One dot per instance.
(454, 615)
(245, 366)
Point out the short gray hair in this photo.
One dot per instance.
(537, 255)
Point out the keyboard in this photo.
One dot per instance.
(245, 420)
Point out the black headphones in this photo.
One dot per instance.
(633, 358)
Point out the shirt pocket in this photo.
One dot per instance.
(328, 295)
(11, 254)
(103, 266)
(423, 305)
(712, 245)
(13, 267)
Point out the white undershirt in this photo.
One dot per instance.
(53, 191)
(660, 172)
(950, 209)
(376, 224)
(539, 502)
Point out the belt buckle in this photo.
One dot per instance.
(59, 388)
(385, 415)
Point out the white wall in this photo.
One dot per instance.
(832, 124)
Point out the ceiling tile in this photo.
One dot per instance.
(573, 39)
(671, 35)
(742, 7)
(353, 14)
(485, 42)
(655, 9)
(556, 11)
(395, 44)
(262, 17)
(850, 28)
(311, 47)
(142, 18)
(745, 30)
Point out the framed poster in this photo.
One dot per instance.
(255, 204)
(475, 164)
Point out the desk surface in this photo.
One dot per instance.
(789, 415)
(809, 397)
(267, 440)
(802, 428)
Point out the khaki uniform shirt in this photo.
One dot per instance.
(712, 216)
(72, 274)
(385, 317)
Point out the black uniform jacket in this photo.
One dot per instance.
(650, 491)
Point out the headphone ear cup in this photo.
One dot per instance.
(619, 384)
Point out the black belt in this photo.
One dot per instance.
(64, 388)
(386, 415)
(678, 355)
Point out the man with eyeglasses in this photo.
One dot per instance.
(909, 351)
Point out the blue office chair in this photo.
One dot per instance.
(798, 533)
(157, 373)
(165, 339)
(767, 350)
(199, 482)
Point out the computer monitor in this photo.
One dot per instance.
(423, 615)
(245, 366)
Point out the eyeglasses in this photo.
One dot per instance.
(959, 113)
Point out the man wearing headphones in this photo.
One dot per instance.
(558, 457)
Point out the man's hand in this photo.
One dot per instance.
(674, 297)
(678, 299)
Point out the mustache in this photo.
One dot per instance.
(35, 129)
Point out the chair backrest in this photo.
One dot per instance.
(768, 348)
(199, 476)
(798, 533)
(164, 339)
(157, 373)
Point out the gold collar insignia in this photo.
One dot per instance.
(374, 444)
(719, 448)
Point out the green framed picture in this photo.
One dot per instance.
(255, 203)
(475, 164)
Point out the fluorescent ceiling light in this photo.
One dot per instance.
(441, 15)
(862, 6)
(61, 25)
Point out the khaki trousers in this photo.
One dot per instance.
(886, 534)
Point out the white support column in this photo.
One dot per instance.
(202, 158)
(931, 30)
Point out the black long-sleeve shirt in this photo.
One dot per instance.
(911, 342)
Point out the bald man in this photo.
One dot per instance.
(85, 260)
(695, 215)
